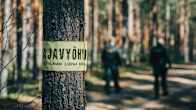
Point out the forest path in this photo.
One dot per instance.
(137, 91)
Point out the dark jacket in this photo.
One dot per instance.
(110, 56)
(159, 57)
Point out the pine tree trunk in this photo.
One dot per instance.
(1, 28)
(24, 37)
(110, 16)
(13, 40)
(35, 13)
(184, 29)
(125, 41)
(87, 28)
(130, 25)
(29, 37)
(118, 24)
(130, 19)
(167, 26)
(94, 33)
(154, 22)
(63, 20)
(86, 18)
(5, 50)
(19, 33)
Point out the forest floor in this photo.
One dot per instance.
(136, 94)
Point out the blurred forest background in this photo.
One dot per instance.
(134, 25)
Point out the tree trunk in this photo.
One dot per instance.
(130, 19)
(130, 27)
(28, 30)
(87, 29)
(63, 20)
(1, 28)
(125, 41)
(187, 33)
(1, 24)
(36, 21)
(110, 16)
(86, 18)
(19, 33)
(5, 49)
(154, 22)
(12, 39)
(118, 24)
(94, 32)
(184, 29)
(24, 36)
(167, 26)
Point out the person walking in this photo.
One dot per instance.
(160, 60)
(111, 61)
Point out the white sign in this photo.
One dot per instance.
(64, 56)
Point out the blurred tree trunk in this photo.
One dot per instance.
(137, 34)
(63, 20)
(125, 37)
(5, 48)
(184, 28)
(35, 13)
(94, 32)
(134, 31)
(130, 19)
(40, 46)
(130, 24)
(87, 28)
(19, 33)
(86, 18)
(29, 36)
(1, 27)
(191, 44)
(12, 39)
(110, 18)
(167, 26)
(154, 22)
(24, 35)
(118, 23)
(145, 28)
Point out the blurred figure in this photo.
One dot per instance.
(159, 60)
(111, 61)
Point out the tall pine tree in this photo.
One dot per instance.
(63, 20)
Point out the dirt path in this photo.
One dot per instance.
(137, 92)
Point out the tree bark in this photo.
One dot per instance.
(13, 43)
(130, 19)
(125, 39)
(110, 16)
(118, 23)
(167, 26)
(28, 30)
(94, 32)
(184, 29)
(130, 27)
(1, 23)
(63, 20)
(24, 35)
(153, 22)
(86, 18)
(1, 28)
(19, 33)
(5, 49)
(36, 21)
